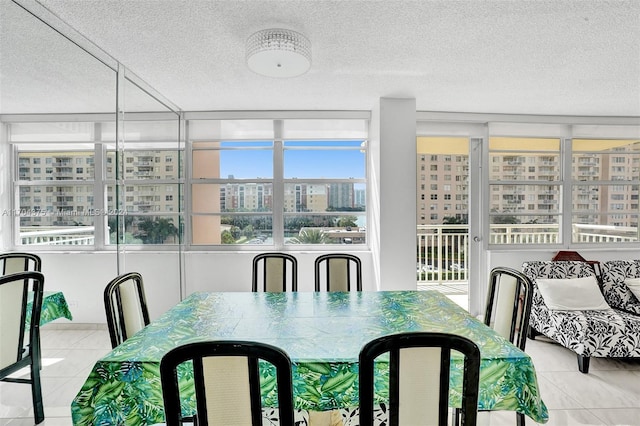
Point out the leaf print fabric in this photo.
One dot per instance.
(321, 332)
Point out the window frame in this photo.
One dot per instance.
(278, 182)
(102, 180)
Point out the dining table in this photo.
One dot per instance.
(54, 306)
(323, 333)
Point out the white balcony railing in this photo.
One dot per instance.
(67, 236)
(442, 250)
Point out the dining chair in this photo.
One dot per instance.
(336, 271)
(227, 382)
(19, 262)
(126, 307)
(15, 290)
(419, 371)
(274, 272)
(507, 311)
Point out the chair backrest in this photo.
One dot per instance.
(419, 373)
(275, 272)
(509, 304)
(126, 307)
(15, 300)
(337, 271)
(10, 263)
(227, 382)
(15, 290)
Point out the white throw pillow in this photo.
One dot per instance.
(572, 294)
(634, 286)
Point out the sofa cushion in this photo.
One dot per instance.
(572, 294)
(616, 293)
(634, 285)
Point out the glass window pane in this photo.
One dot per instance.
(608, 160)
(325, 229)
(532, 199)
(56, 214)
(231, 229)
(525, 229)
(146, 198)
(606, 178)
(145, 164)
(589, 227)
(161, 229)
(324, 159)
(231, 197)
(60, 165)
(527, 159)
(324, 197)
(233, 160)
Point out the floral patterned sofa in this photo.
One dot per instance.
(616, 293)
(611, 332)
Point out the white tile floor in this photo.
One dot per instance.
(608, 395)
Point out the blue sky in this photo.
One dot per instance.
(250, 164)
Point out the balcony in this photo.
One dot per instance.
(442, 250)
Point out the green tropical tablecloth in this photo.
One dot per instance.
(54, 306)
(321, 332)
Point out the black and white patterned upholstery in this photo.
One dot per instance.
(616, 293)
(606, 333)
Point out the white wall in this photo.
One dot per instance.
(83, 276)
(397, 194)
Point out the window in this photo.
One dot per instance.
(598, 181)
(602, 211)
(511, 220)
(81, 206)
(64, 209)
(292, 182)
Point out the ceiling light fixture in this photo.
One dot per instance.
(279, 53)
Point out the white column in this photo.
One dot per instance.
(393, 179)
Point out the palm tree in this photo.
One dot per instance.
(347, 221)
(156, 231)
(310, 236)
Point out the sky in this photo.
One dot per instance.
(316, 163)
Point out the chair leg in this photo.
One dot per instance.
(36, 393)
(583, 364)
(456, 417)
(519, 419)
(532, 333)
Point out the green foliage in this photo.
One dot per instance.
(227, 237)
(346, 221)
(310, 236)
(452, 220)
(235, 232)
(128, 238)
(248, 231)
(156, 231)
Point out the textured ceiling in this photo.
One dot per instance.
(578, 57)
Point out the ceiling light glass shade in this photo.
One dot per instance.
(278, 53)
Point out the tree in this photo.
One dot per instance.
(156, 231)
(346, 221)
(452, 220)
(248, 231)
(227, 238)
(310, 236)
